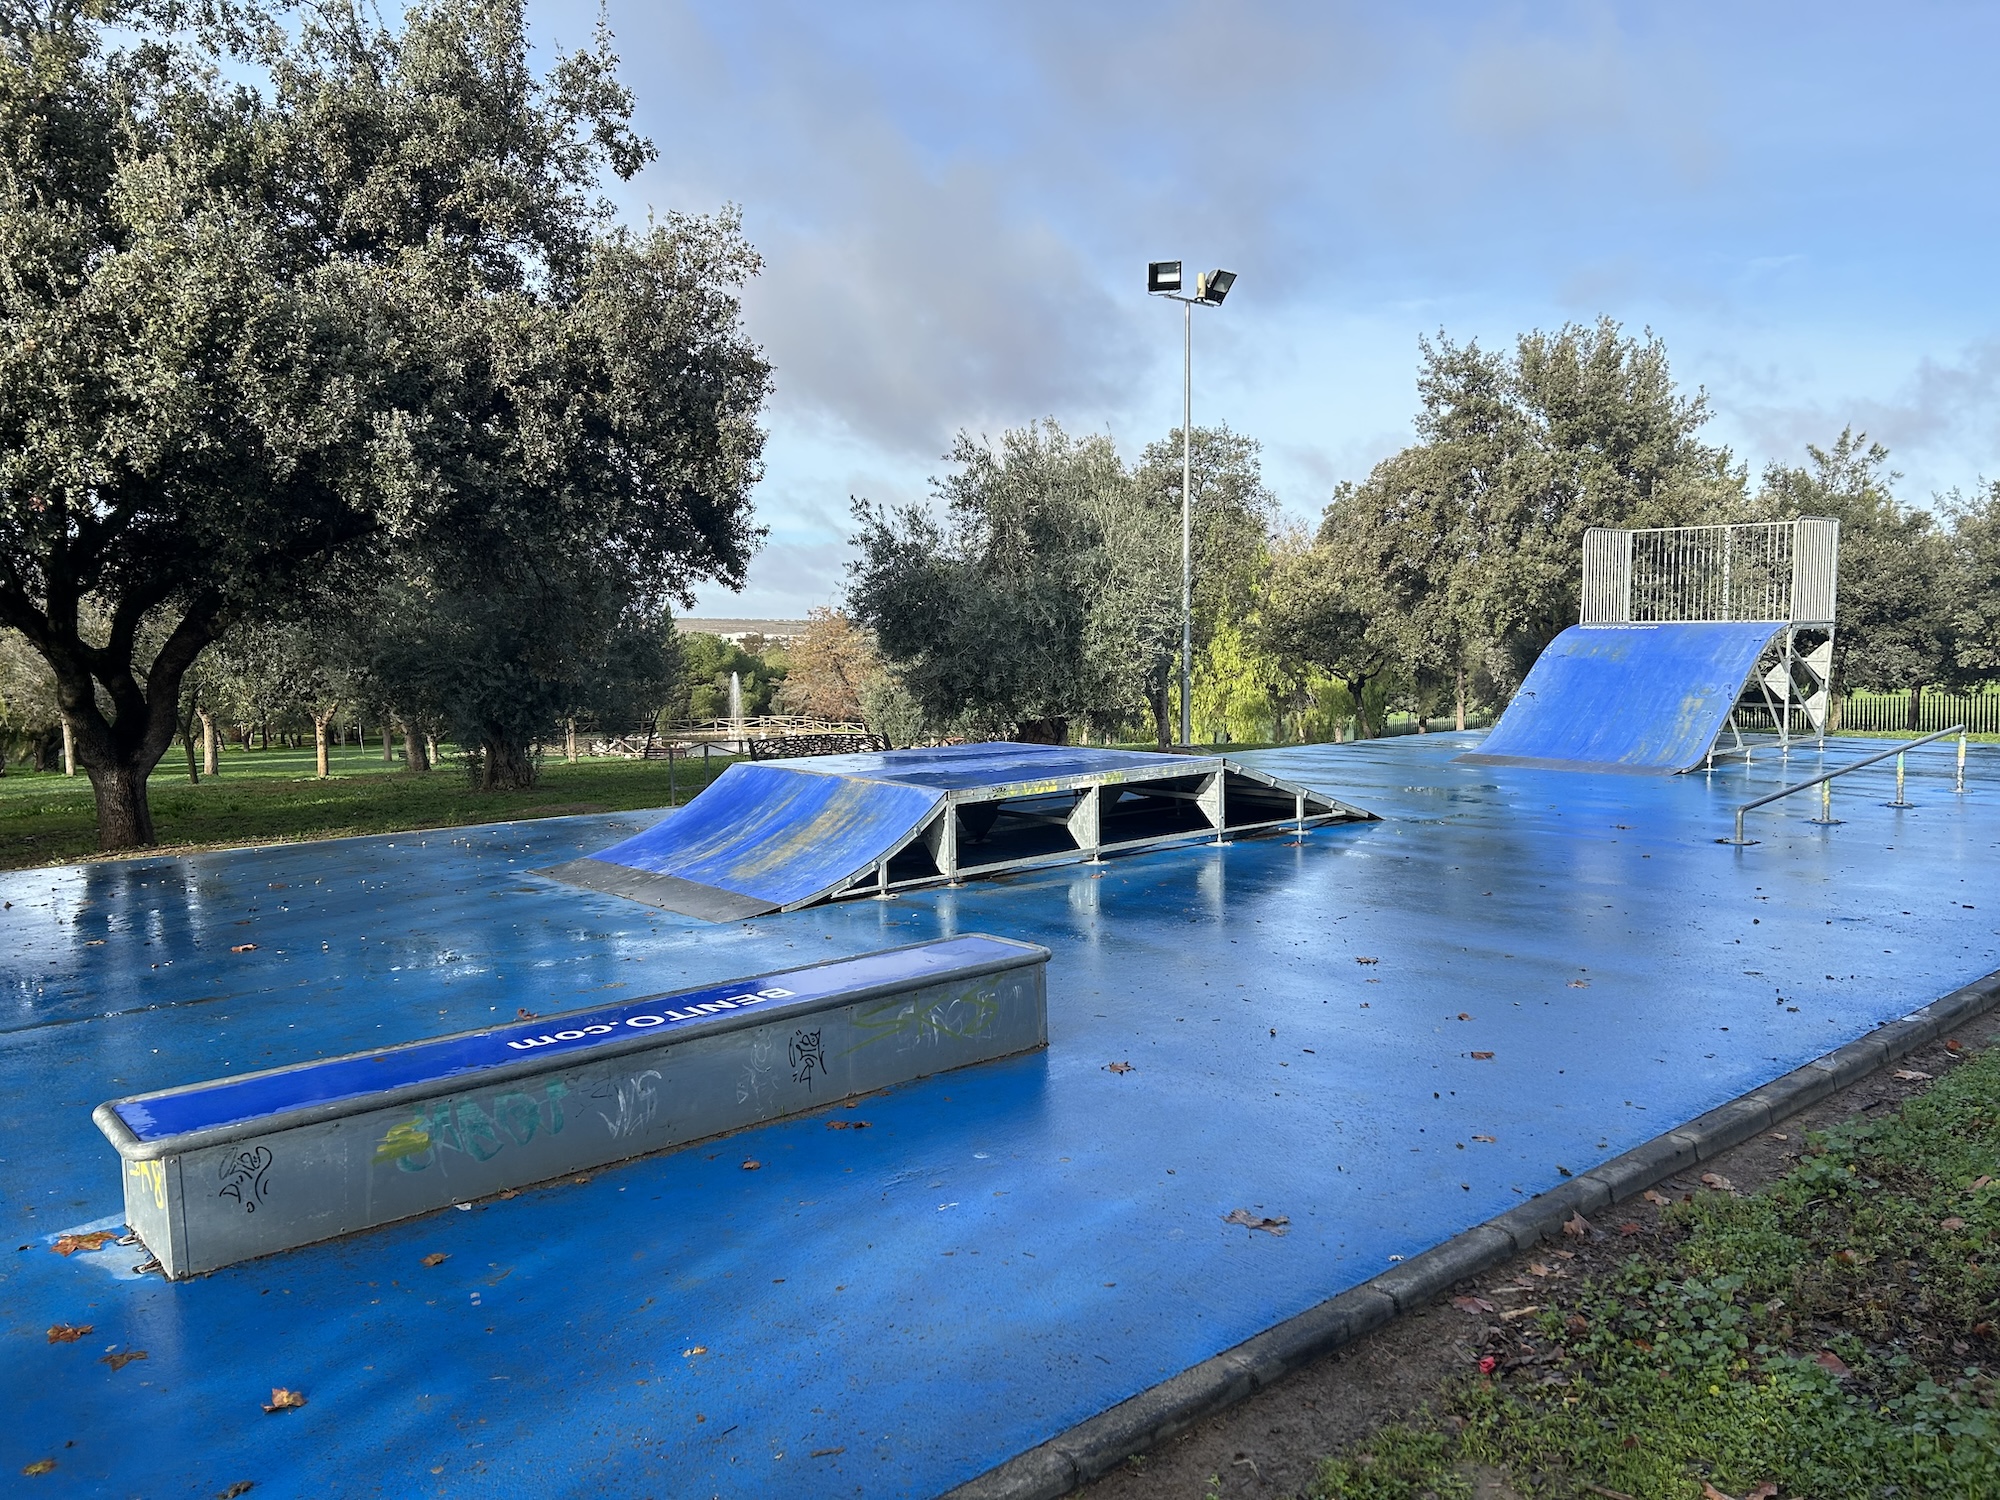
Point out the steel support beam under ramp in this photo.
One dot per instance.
(779, 835)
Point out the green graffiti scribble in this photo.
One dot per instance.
(461, 1125)
(963, 1017)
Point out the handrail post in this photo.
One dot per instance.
(1959, 786)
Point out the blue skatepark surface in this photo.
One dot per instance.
(1632, 698)
(1004, 1251)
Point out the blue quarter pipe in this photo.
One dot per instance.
(1637, 698)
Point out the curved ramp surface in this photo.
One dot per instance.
(1639, 698)
(764, 836)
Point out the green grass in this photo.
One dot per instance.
(265, 796)
(1832, 1336)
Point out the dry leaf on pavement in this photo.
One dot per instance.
(436, 1258)
(1482, 1056)
(1368, 960)
(752, 1165)
(120, 1361)
(1472, 1304)
(1658, 1200)
(1576, 1226)
(244, 948)
(69, 1333)
(1249, 1220)
(1717, 1181)
(69, 1244)
(41, 1466)
(1118, 1067)
(284, 1400)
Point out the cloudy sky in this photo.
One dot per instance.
(956, 203)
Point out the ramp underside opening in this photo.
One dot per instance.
(795, 835)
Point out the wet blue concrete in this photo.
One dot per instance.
(1003, 1251)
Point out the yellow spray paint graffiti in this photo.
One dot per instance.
(154, 1175)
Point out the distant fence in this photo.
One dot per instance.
(1861, 713)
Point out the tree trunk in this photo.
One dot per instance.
(211, 758)
(388, 744)
(1458, 710)
(1042, 731)
(321, 722)
(572, 742)
(413, 749)
(431, 746)
(187, 745)
(1356, 687)
(1916, 708)
(1162, 722)
(506, 767)
(124, 819)
(69, 750)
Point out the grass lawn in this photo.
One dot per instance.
(1833, 1336)
(265, 796)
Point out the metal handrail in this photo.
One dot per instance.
(1826, 777)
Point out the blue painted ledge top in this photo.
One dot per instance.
(413, 1066)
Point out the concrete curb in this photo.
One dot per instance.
(1095, 1446)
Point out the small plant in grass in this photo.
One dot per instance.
(1832, 1336)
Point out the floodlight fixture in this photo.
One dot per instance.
(1163, 278)
(1212, 286)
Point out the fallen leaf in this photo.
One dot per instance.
(1576, 1226)
(1765, 1491)
(1472, 1304)
(846, 1124)
(1954, 1046)
(1490, 1140)
(241, 1487)
(751, 1166)
(1717, 1181)
(1628, 1228)
(1577, 1324)
(1579, 984)
(1482, 1057)
(69, 1333)
(1954, 1222)
(41, 1466)
(120, 1361)
(1368, 960)
(284, 1400)
(69, 1244)
(826, 1452)
(244, 948)
(1249, 1220)
(1463, 1016)
(1660, 1200)
(524, 1014)
(436, 1258)
(1832, 1363)
(691, 1353)
(1536, 1268)
(1910, 1074)
(1118, 1067)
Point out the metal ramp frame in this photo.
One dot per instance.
(781, 835)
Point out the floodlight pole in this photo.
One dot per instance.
(1187, 520)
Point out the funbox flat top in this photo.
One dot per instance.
(1004, 1251)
